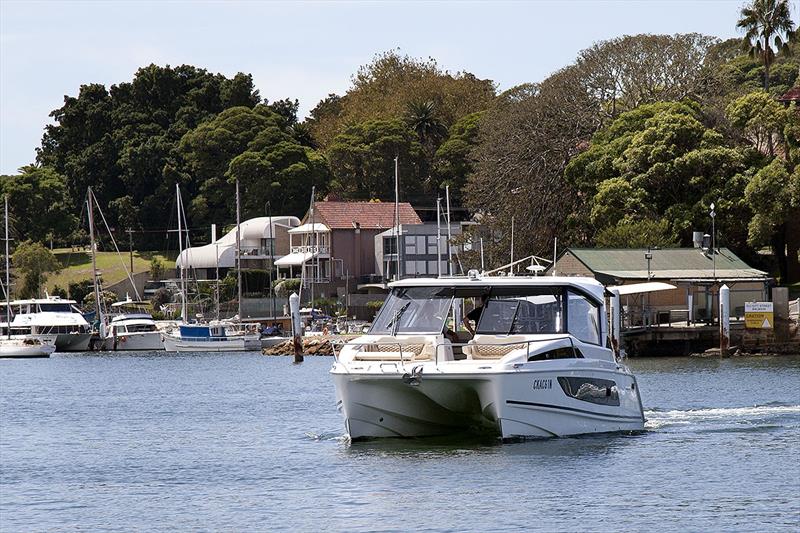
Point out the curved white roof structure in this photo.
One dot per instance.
(223, 252)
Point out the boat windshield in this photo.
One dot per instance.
(523, 311)
(414, 310)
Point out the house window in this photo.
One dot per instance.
(411, 247)
(389, 245)
(432, 249)
(267, 247)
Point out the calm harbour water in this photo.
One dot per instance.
(243, 442)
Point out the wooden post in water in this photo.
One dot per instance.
(724, 320)
(294, 309)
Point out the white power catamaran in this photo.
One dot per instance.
(539, 365)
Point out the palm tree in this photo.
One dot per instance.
(768, 29)
(421, 117)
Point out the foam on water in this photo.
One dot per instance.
(759, 414)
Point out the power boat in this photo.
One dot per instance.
(213, 337)
(50, 319)
(540, 363)
(132, 328)
(26, 347)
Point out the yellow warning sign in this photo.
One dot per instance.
(758, 315)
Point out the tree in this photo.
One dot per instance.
(660, 161)
(453, 162)
(32, 262)
(768, 29)
(123, 141)
(524, 144)
(156, 268)
(383, 90)
(39, 204)
(637, 234)
(759, 119)
(362, 160)
(254, 147)
(774, 195)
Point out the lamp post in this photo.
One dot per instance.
(713, 242)
(649, 256)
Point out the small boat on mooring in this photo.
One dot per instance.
(540, 363)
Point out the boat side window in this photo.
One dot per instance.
(593, 390)
(558, 353)
(529, 310)
(583, 317)
(55, 308)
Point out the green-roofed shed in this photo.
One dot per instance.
(697, 274)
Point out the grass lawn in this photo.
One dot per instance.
(77, 265)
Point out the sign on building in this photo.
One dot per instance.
(758, 315)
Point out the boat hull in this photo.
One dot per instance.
(24, 351)
(73, 342)
(509, 404)
(210, 344)
(143, 342)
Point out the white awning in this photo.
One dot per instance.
(638, 288)
(294, 259)
(310, 228)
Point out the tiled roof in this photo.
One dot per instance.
(792, 95)
(665, 263)
(369, 215)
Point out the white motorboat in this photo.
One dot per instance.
(539, 365)
(132, 328)
(23, 348)
(50, 318)
(214, 337)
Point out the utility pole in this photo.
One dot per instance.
(397, 211)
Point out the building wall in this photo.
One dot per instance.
(569, 265)
(355, 249)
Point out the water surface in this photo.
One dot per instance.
(243, 442)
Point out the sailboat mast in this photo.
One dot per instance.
(178, 205)
(8, 279)
(238, 253)
(98, 303)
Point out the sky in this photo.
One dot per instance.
(302, 50)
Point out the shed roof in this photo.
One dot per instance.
(369, 215)
(666, 263)
(792, 95)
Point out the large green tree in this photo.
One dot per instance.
(123, 141)
(768, 30)
(39, 204)
(660, 161)
(256, 147)
(362, 161)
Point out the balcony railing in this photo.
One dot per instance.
(310, 250)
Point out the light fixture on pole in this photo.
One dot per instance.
(713, 241)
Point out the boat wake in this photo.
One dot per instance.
(725, 418)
